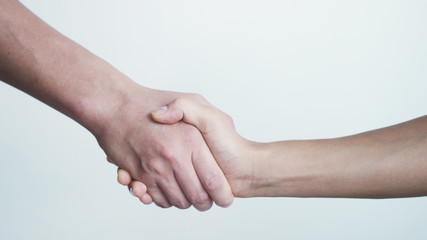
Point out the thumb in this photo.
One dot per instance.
(190, 111)
(167, 115)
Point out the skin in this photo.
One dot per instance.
(173, 160)
(385, 163)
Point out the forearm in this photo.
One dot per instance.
(45, 64)
(52, 68)
(389, 162)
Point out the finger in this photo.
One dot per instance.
(123, 177)
(168, 114)
(146, 199)
(173, 192)
(138, 189)
(159, 197)
(202, 116)
(192, 187)
(212, 178)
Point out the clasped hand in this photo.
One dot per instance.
(231, 151)
(172, 160)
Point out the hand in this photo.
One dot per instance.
(233, 153)
(172, 160)
(383, 163)
(169, 159)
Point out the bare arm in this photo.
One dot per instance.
(45, 64)
(384, 163)
(389, 162)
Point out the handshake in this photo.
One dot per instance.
(188, 152)
(195, 158)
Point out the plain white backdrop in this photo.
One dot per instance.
(293, 69)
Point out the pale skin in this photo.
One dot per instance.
(386, 163)
(173, 160)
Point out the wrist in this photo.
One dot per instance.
(119, 105)
(254, 170)
(293, 169)
(107, 92)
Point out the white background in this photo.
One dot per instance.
(285, 69)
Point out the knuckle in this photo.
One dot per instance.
(201, 199)
(213, 183)
(173, 160)
(204, 207)
(191, 135)
(180, 101)
(156, 167)
(229, 119)
(197, 97)
(170, 157)
(162, 204)
(182, 204)
(226, 202)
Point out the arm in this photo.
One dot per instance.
(43, 63)
(388, 162)
(385, 163)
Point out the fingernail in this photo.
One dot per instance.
(131, 192)
(160, 111)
